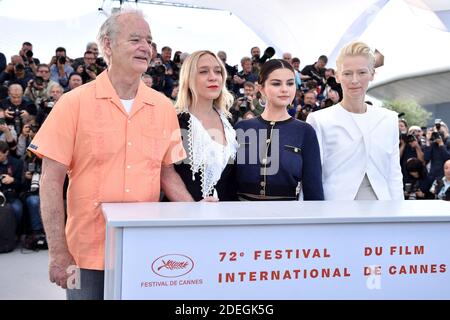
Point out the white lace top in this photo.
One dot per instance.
(208, 156)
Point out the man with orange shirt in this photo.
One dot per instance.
(117, 139)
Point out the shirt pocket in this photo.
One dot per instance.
(154, 147)
(105, 143)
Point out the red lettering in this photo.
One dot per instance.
(278, 254)
(442, 268)
(252, 276)
(392, 270)
(433, 268)
(263, 275)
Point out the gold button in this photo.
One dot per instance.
(262, 192)
(263, 183)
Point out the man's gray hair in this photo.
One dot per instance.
(109, 28)
(90, 44)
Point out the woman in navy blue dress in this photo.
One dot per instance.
(278, 156)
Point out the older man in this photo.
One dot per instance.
(118, 143)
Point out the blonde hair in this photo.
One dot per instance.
(356, 48)
(187, 94)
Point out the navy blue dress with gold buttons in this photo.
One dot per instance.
(277, 160)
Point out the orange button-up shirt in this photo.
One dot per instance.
(112, 156)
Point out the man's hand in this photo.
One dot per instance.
(59, 263)
(4, 128)
(7, 179)
(414, 144)
(24, 114)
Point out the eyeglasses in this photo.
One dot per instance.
(43, 71)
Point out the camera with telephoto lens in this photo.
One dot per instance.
(410, 138)
(244, 105)
(29, 54)
(15, 110)
(62, 60)
(50, 102)
(19, 67)
(38, 81)
(435, 135)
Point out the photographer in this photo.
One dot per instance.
(27, 55)
(441, 187)
(11, 180)
(15, 72)
(29, 129)
(46, 106)
(7, 132)
(316, 71)
(162, 82)
(90, 68)
(418, 183)
(411, 147)
(245, 103)
(437, 149)
(16, 108)
(231, 71)
(60, 67)
(245, 75)
(75, 81)
(37, 89)
(30, 190)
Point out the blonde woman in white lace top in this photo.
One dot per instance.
(208, 137)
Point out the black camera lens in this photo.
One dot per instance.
(29, 54)
(20, 67)
(62, 60)
(410, 138)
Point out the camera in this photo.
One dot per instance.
(39, 81)
(160, 70)
(34, 127)
(50, 103)
(92, 68)
(410, 138)
(29, 54)
(268, 53)
(307, 108)
(15, 110)
(62, 60)
(244, 105)
(19, 67)
(435, 135)
(101, 63)
(2, 121)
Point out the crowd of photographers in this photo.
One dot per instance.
(425, 161)
(29, 89)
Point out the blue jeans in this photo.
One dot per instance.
(92, 282)
(17, 208)
(32, 202)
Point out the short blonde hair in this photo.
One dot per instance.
(356, 48)
(187, 94)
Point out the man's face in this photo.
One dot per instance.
(75, 81)
(15, 94)
(89, 58)
(17, 60)
(56, 93)
(26, 48)
(130, 52)
(148, 81)
(60, 53)
(287, 57)
(310, 98)
(247, 66)
(447, 170)
(222, 57)
(296, 65)
(321, 64)
(249, 91)
(166, 55)
(43, 72)
(94, 49)
(255, 52)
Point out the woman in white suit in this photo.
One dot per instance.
(358, 142)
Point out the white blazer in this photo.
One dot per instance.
(342, 153)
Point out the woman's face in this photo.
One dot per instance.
(279, 88)
(209, 78)
(402, 127)
(354, 76)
